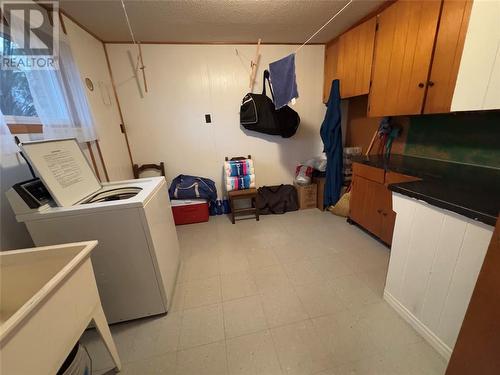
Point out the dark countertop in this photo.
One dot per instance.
(468, 190)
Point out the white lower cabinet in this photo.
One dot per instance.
(436, 257)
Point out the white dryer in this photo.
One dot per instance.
(137, 258)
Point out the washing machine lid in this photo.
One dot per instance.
(63, 168)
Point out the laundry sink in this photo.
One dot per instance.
(48, 296)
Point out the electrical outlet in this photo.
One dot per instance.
(208, 118)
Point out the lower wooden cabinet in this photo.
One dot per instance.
(371, 200)
(370, 207)
(387, 228)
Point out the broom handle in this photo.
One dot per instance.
(371, 143)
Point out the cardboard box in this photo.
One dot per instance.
(320, 181)
(307, 195)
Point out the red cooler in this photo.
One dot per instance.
(189, 211)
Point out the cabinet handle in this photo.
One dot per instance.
(431, 83)
(421, 85)
(379, 211)
(384, 213)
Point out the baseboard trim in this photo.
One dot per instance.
(426, 333)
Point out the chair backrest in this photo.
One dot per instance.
(238, 158)
(138, 169)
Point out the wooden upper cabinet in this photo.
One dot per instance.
(349, 59)
(447, 55)
(331, 60)
(363, 37)
(402, 57)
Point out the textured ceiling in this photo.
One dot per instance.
(276, 21)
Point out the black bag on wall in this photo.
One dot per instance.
(258, 113)
(277, 199)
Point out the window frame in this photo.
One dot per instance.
(24, 124)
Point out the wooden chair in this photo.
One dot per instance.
(138, 169)
(243, 194)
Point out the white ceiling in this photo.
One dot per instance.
(275, 21)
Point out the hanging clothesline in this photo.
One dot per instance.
(317, 31)
(282, 71)
(139, 50)
(322, 27)
(244, 59)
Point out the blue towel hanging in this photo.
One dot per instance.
(283, 79)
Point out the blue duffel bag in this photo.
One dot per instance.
(192, 187)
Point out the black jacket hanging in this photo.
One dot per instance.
(258, 113)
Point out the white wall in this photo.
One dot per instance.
(478, 81)
(88, 53)
(188, 81)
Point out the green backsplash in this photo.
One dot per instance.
(472, 137)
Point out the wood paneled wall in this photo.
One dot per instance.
(360, 127)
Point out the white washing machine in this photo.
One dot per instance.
(137, 258)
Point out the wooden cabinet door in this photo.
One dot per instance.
(371, 200)
(349, 59)
(358, 198)
(402, 57)
(447, 55)
(387, 215)
(356, 55)
(387, 230)
(372, 213)
(364, 59)
(364, 204)
(331, 64)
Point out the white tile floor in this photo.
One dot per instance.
(299, 293)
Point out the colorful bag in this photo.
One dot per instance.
(192, 187)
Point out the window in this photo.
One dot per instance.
(52, 100)
(16, 102)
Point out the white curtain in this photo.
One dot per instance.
(7, 144)
(60, 100)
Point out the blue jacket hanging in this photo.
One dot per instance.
(331, 134)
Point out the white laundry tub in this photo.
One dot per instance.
(48, 296)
